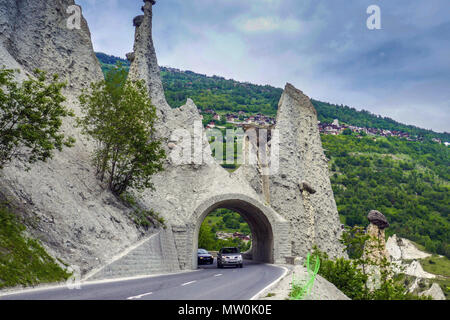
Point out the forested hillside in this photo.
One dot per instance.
(108, 62)
(220, 94)
(408, 181)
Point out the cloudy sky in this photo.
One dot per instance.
(323, 47)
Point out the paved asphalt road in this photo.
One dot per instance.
(209, 283)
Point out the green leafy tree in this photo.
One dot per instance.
(206, 238)
(119, 116)
(31, 116)
(354, 239)
(347, 132)
(345, 274)
(245, 229)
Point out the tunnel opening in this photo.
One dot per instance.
(261, 233)
(224, 228)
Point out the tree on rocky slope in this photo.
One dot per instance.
(31, 116)
(119, 116)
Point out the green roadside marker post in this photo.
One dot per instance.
(306, 288)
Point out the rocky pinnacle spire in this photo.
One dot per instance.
(302, 191)
(144, 64)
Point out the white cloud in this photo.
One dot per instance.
(267, 24)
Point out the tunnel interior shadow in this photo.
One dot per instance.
(261, 230)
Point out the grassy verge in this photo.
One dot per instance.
(23, 261)
(439, 266)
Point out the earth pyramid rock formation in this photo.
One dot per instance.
(61, 201)
(289, 209)
(301, 191)
(375, 247)
(286, 217)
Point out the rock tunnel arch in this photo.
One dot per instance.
(269, 230)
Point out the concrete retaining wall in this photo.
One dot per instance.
(155, 255)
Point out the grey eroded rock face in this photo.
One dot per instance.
(145, 64)
(415, 269)
(403, 249)
(301, 190)
(61, 200)
(434, 292)
(35, 33)
(404, 256)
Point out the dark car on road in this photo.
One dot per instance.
(204, 257)
(229, 257)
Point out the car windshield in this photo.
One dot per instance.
(230, 250)
(202, 251)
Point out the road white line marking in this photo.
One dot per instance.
(187, 283)
(46, 287)
(139, 296)
(218, 275)
(286, 270)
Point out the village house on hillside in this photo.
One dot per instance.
(225, 236)
(337, 128)
(239, 119)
